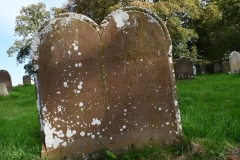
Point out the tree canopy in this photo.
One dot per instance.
(29, 20)
(205, 30)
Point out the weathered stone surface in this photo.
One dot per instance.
(234, 61)
(3, 90)
(202, 69)
(226, 66)
(6, 79)
(183, 68)
(26, 79)
(111, 84)
(217, 68)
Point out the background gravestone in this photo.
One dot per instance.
(202, 69)
(226, 66)
(194, 70)
(3, 89)
(6, 79)
(210, 67)
(26, 79)
(234, 61)
(217, 68)
(183, 68)
(114, 89)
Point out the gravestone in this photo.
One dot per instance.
(6, 79)
(226, 66)
(3, 90)
(194, 70)
(202, 69)
(210, 67)
(217, 68)
(234, 61)
(183, 68)
(26, 79)
(110, 85)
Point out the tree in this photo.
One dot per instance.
(29, 20)
(202, 30)
(97, 10)
(219, 32)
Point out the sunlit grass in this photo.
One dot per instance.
(210, 112)
(19, 127)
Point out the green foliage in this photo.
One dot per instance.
(96, 10)
(111, 154)
(202, 30)
(29, 20)
(219, 36)
(19, 129)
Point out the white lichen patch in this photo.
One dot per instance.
(80, 104)
(121, 18)
(79, 86)
(52, 139)
(178, 117)
(95, 121)
(75, 48)
(59, 108)
(82, 133)
(44, 109)
(65, 84)
(70, 133)
(78, 64)
(176, 103)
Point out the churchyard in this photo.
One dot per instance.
(209, 106)
(109, 91)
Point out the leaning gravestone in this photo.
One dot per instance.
(183, 68)
(26, 79)
(6, 79)
(110, 85)
(234, 61)
(226, 66)
(3, 90)
(217, 68)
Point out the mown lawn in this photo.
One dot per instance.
(210, 112)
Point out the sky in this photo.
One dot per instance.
(9, 9)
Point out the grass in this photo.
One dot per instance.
(210, 112)
(19, 127)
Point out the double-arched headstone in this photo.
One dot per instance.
(110, 85)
